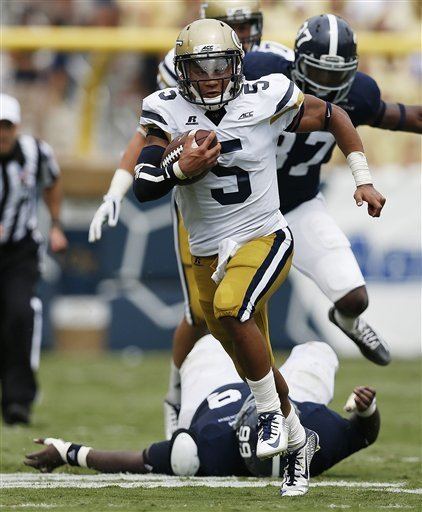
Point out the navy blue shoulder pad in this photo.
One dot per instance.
(363, 102)
(258, 64)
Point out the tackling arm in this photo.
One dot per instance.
(398, 117)
(120, 184)
(132, 151)
(319, 115)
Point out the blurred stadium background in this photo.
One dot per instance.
(80, 68)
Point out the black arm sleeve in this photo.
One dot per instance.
(152, 181)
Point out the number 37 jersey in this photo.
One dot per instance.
(238, 198)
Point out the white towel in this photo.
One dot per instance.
(227, 248)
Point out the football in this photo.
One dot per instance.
(175, 148)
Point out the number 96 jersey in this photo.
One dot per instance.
(238, 198)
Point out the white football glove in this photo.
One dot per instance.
(109, 210)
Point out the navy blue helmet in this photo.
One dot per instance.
(326, 58)
(246, 432)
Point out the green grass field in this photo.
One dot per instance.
(114, 402)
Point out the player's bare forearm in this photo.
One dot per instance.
(403, 118)
(347, 138)
(132, 152)
(55, 454)
(116, 462)
(317, 117)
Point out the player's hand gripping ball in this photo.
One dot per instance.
(197, 152)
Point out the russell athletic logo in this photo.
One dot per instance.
(192, 120)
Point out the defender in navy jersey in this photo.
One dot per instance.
(217, 433)
(325, 64)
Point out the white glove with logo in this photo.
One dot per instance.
(110, 208)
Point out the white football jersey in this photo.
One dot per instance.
(166, 76)
(238, 199)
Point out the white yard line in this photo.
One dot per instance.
(64, 480)
(35, 505)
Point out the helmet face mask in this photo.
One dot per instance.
(209, 80)
(320, 70)
(326, 80)
(209, 74)
(244, 17)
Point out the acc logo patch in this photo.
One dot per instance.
(206, 48)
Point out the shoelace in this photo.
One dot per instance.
(294, 467)
(369, 337)
(267, 427)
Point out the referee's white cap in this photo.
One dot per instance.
(10, 109)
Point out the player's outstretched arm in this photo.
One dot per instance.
(320, 115)
(109, 210)
(58, 453)
(366, 416)
(399, 117)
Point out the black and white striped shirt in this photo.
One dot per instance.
(23, 174)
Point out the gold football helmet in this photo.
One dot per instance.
(209, 63)
(244, 16)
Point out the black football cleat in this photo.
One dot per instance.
(372, 346)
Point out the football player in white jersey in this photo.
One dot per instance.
(246, 18)
(233, 210)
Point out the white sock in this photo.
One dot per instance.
(265, 393)
(297, 435)
(174, 391)
(347, 322)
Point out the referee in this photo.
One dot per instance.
(28, 168)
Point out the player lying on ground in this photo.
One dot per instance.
(217, 416)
